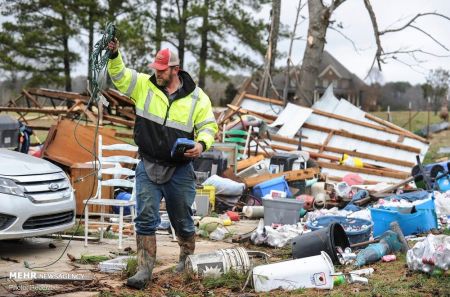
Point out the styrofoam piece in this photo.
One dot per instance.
(115, 265)
(310, 272)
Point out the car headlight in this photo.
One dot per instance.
(8, 186)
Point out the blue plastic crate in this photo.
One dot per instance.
(279, 184)
(423, 219)
(355, 236)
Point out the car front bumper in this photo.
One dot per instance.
(35, 219)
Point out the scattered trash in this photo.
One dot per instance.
(115, 265)
(219, 262)
(388, 258)
(389, 243)
(431, 254)
(327, 239)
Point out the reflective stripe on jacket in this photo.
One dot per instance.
(159, 123)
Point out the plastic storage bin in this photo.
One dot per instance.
(279, 184)
(281, 211)
(9, 132)
(209, 191)
(354, 236)
(423, 219)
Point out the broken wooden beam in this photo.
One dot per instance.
(34, 110)
(289, 175)
(117, 120)
(249, 162)
(363, 138)
(60, 95)
(378, 172)
(342, 151)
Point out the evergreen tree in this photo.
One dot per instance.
(36, 42)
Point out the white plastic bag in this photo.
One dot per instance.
(225, 186)
(429, 254)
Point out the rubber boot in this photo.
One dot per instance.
(146, 257)
(187, 247)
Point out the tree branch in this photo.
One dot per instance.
(408, 24)
(346, 37)
(429, 35)
(373, 19)
(335, 4)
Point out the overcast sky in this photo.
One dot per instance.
(357, 26)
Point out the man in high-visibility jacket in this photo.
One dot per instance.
(169, 106)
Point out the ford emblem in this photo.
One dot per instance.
(53, 187)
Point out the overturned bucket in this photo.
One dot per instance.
(219, 262)
(325, 239)
(310, 272)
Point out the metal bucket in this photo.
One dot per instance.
(219, 262)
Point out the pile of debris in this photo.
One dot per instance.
(328, 180)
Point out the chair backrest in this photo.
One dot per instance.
(120, 175)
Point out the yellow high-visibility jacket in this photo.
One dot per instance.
(159, 121)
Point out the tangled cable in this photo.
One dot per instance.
(99, 58)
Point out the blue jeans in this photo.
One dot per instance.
(179, 194)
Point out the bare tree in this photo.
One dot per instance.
(320, 20)
(275, 28)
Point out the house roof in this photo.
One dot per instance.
(328, 61)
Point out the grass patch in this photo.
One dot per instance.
(132, 266)
(400, 118)
(231, 280)
(175, 293)
(74, 231)
(85, 259)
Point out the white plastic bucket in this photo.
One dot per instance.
(219, 262)
(310, 272)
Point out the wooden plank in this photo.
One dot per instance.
(268, 118)
(110, 99)
(395, 127)
(127, 113)
(378, 172)
(264, 99)
(124, 134)
(389, 128)
(249, 162)
(363, 138)
(331, 158)
(119, 120)
(344, 151)
(325, 143)
(60, 95)
(35, 110)
(29, 97)
(122, 99)
(229, 113)
(290, 176)
(368, 125)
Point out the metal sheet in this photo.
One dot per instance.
(291, 119)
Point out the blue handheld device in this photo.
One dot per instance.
(180, 147)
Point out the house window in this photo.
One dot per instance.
(325, 83)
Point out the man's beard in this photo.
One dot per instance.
(163, 82)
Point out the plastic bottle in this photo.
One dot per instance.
(338, 280)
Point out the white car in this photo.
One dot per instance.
(36, 197)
